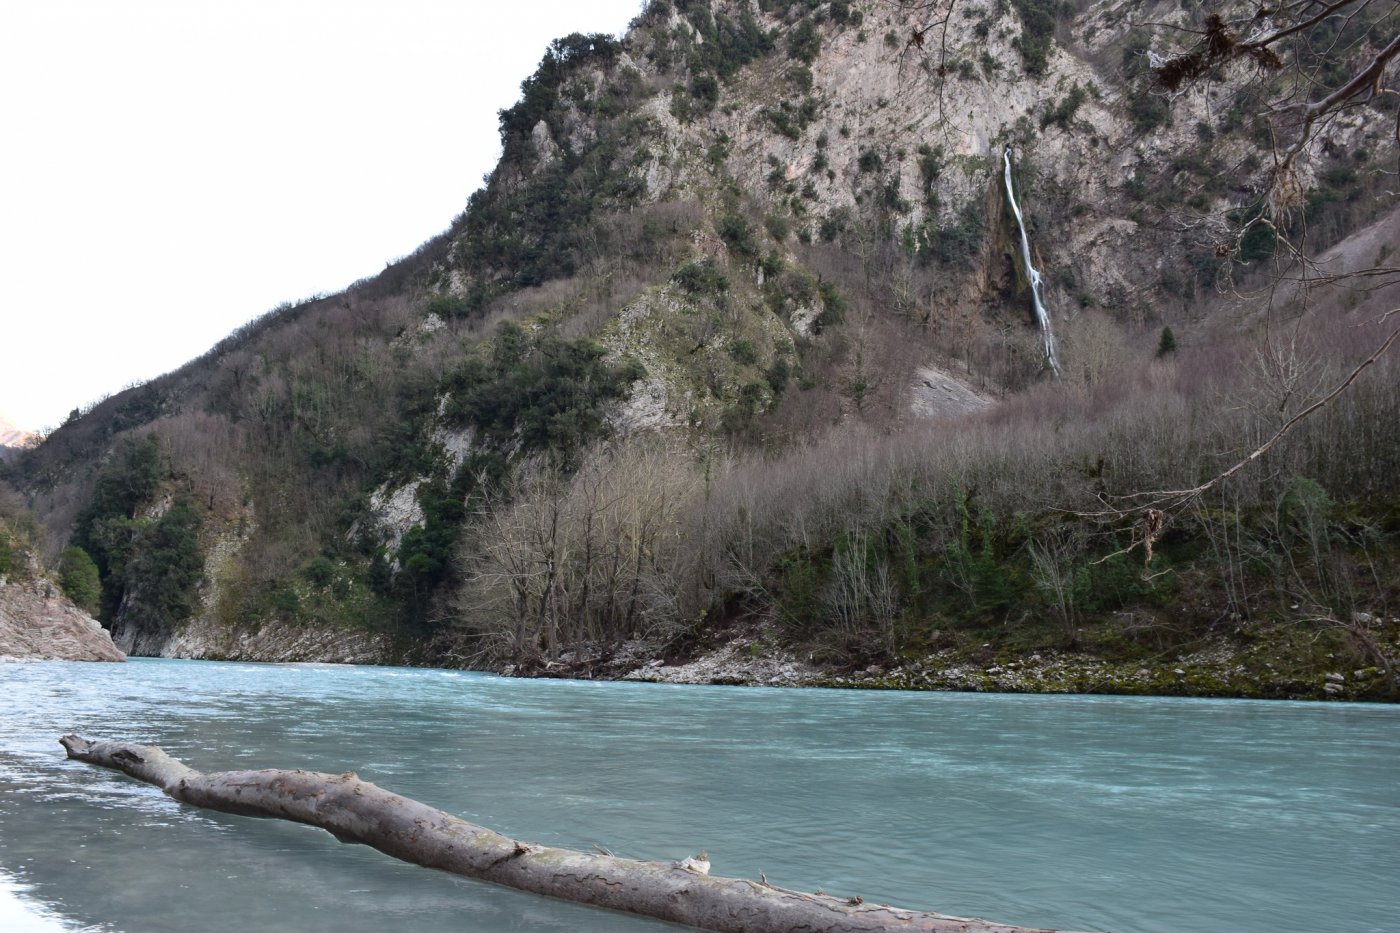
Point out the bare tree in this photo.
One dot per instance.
(593, 557)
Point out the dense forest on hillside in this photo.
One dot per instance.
(673, 374)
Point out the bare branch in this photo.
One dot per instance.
(1182, 496)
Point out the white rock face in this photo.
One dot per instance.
(456, 443)
(396, 509)
(646, 409)
(276, 641)
(935, 394)
(543, 142)
(804, 318)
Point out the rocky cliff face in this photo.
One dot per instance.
(37, 622)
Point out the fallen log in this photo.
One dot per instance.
(357, 811)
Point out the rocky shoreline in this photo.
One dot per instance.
(755, 656)
(273, 642)
(751, 658)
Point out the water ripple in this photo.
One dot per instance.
(1086, 812)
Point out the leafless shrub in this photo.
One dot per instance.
(593, 557)
(1056, 556)
(1053, 451)
(1094, 348)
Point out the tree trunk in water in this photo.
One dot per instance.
(357, 811)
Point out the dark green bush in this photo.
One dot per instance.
(1062, 113)
(1037, 32)
(319, 571)
(701, 277)
(1167, 344)
(743, 352)
(833, 306)
(449, 307)
(539, 93)
(1147, 111)
(726, 43)
(805, 42)
(164, 569)
(705, 89)
(735, 231)
(78, 576)
(1257, 243)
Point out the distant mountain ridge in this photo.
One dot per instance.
(14, 438)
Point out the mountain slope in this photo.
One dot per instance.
(600, 407)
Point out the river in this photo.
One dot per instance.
(1092, 813)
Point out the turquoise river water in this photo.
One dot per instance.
(1088, 813)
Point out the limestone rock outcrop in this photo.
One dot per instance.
(37, 622)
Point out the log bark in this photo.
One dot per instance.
(357, 811)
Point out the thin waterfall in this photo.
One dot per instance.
(1042, 314)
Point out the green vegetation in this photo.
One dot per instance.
(1146, 109)
(805, 42)
(148, 559)
(705, 89)
(162, 569)
(841, 13)
(738, 236)
(955, 243)
(701, 277)
(726, 43)
(791, 120)
(538, 392)
(517, 238)
(1062, 113)
(106, 527)
(1257, 244)
(528, 396)
(974, 536)
(78, 576)
(931, 164)
(20, 536)
(539, 93)
(1037, 36)
(1167, 343)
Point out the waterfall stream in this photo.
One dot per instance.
(1042, 314)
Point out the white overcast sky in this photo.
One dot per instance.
(170, 169)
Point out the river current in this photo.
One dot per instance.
(1087, 813)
